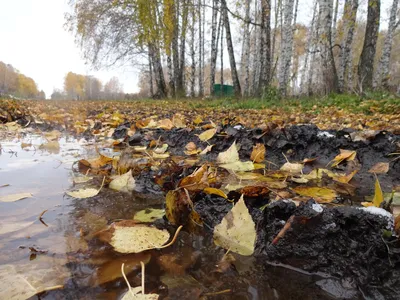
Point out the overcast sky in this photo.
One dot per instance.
(33, 40)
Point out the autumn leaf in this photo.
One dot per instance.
(229, 156)
(345, 155)
(214, 191)
(149, 215)
(15, 197)
(207, 135)
(318, 193)
(378, 196)
(123, 183)
(292, 168)
(86, 193)
(380, 168)
(236, 232)
(258, 153)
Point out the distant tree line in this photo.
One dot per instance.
(87, 87)
(13, 83)
(180, 45)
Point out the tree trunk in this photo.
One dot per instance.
(193, 53)
(151, 76)
(201, 62)
(214, 43)
(349, 23)
(286, 46)
(158, 71)
(175, 48)
(335, 15)
(366, 64)
(180, 84)
(265, 46)
(171, 81)
(383, 76)
(222, 50)
(234, 73)
(329, 73)
(304, 75)
(245, 61)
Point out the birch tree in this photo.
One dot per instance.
(349, 24)
(366, 64)
(383, 69)
(214, 43)
(328, 69)
(234, 73)
(286, 46)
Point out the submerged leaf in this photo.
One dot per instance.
(149, 215)
(236, 231)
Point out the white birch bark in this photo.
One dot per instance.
(383, 69)
(349, 22)
(286, 46)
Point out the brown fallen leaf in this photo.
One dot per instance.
(380, 168)
(258, 153)
(345, 155)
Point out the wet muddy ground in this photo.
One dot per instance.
(330, 251)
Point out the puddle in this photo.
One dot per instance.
(59, 258)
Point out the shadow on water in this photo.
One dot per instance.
(65, 247)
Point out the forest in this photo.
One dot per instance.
(258, 47)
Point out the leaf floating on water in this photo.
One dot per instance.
(81, 179)
(86, 193)
(208, 134)
(149, 215)
(123, 183)
(15, 197)
(229, 156)
(236, 231)
(130, 237)
(380, 168)
(52, 147)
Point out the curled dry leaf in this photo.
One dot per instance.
(380, 168)
(236, 231)
(345, 155)
(214, 191)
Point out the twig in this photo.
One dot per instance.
(43, 212)
(4, 185)
(143, 271)
(174, 239)
(126, 280)
(218, 293)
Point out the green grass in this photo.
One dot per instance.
(376, 102)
